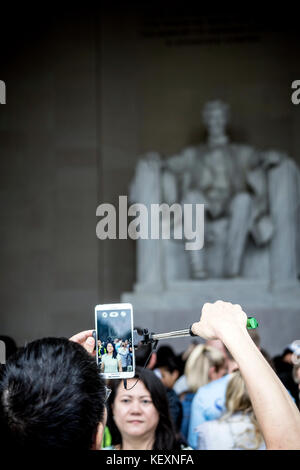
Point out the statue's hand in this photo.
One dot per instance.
(152, 157)
(271, 158)
(150, 161)
(210, 236)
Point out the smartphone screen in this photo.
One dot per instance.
(114, 350)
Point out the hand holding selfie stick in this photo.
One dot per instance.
(252, 323)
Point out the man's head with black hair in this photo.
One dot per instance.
(171, 368)
(52, 396)
(164, 352)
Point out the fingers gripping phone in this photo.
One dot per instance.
(114, 340)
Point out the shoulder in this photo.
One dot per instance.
(188, 397)
(210, 426)
(239, 420)
(180, 385)
(207, 434)
(171, 392)
(217, 386)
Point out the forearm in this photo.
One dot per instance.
(277, 415)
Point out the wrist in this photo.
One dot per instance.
(231, 334)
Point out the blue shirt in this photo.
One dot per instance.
(186, 409)
(208, 403)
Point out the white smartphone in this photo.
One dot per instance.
(114, 340)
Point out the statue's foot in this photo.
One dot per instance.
(229, 275)
(199, 275)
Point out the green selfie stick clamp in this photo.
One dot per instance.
(252, 323)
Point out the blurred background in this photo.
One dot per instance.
(88, 92)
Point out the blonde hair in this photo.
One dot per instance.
(198, 364)
(238, 400)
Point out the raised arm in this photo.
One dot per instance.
(276, 413)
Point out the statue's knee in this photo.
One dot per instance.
(241, 201)
(193, 197)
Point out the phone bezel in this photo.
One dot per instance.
(119, 306)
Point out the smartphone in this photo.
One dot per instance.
(114, 340)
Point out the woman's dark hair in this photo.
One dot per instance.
(165, 436)
(51, 396)
(114, 353)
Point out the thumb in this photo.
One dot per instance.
(89, 344)
(201, 329)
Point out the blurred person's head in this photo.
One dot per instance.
(289, 351)
(51, 396)
(204, 365)
(296, 374)
(254, 335)
(163, 354)
(170, 371)
(238, 400)
(139, 415)
(185, 354)
(144, 354)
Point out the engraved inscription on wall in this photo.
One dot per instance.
(176, 30)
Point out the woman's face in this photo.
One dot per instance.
(134, 412)
(110, 348)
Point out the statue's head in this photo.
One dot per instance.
(215, 117)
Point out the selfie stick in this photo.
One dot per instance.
(252, 323)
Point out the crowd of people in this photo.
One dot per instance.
(224, 393)
(115, 355)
